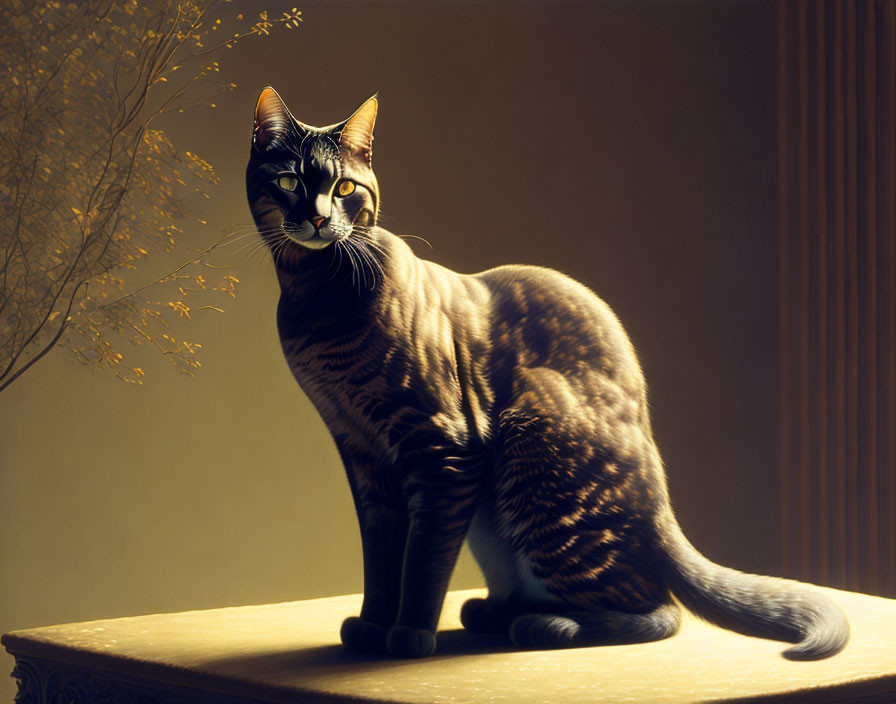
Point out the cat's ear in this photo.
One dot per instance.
(273, 120)
(357, 133)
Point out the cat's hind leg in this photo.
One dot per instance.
(512, 588)
(576, 503)
(601, 627)
(487, 616)
(492, 616)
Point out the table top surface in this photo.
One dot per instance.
(290, 651)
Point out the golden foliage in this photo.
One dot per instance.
(89, 185)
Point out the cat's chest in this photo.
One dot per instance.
(377, 390)
(338, 373)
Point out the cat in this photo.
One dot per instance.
(507, 408)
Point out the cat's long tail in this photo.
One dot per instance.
(768, 607)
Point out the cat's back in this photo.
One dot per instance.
(556, 321)
(530, 289)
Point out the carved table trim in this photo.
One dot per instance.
(46, 682)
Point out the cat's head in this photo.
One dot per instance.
(310, 186)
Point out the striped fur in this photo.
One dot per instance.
(507, 407)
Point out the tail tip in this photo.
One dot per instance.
(825, 640)
(805, 652)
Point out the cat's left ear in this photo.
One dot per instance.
(357, 134)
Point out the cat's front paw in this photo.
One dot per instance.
(363, 636)
(404, 642)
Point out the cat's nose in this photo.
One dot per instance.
(317, 221)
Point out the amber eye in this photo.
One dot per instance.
(287, 182)
(345, 188)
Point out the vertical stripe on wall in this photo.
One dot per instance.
(837, 222)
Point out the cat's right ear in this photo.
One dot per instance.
(273, 120)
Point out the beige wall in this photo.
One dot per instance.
(640, 139)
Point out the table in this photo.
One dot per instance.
(290, 652)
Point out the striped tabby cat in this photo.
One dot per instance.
(506, 407)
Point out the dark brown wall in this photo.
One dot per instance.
(629, 144)
(838, 291)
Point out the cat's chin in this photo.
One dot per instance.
(314, 242)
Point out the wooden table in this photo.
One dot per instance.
(290, 653)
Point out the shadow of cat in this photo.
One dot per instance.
(305, 664)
